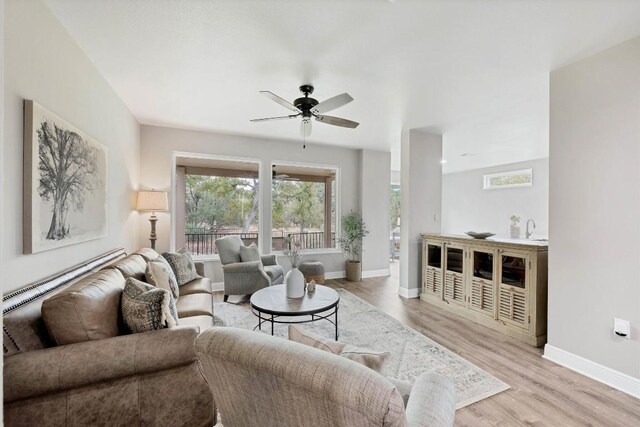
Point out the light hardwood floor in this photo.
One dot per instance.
(541, 394)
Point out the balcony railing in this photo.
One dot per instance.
(202, 242)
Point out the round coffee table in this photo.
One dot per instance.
(271, 303)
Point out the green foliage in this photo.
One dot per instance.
(394, 204)
(353, 231)
(212, 202)
(297, 203)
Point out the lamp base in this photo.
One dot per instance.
(153, 237)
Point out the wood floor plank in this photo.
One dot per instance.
(541, 394)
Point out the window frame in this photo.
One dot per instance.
(338, 196)
(486, 179)
(204, 156)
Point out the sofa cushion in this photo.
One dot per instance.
(201, 285)
(370, 358)
(147, 253)
(202, 322)
(182, 264)
(160, 275)
(147, 308)
(249, 253)
(195, 305)
(87, 310)
(273, 271)
(132, 266)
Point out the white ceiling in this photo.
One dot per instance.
(475, 70)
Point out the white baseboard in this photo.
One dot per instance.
(335, 275)
(217, 286)
(408, 293)
(611, 377)
(376, 273)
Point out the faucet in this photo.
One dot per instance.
(527, 233)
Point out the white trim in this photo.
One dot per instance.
(408, 293)
(376, 273)
(611, 377)
(217, 286)
(335, 275)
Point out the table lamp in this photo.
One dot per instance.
(153, 201)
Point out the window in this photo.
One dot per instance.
(216, 198)
(511, 179)
(303, 206)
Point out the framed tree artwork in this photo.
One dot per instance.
(65, 182)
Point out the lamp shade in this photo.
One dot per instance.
(152, 201)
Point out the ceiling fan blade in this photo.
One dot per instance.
(337, 121)
(280, 101)
(332, 103)
(266, 119)
(305, 127)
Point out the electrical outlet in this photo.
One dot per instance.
(622, 328)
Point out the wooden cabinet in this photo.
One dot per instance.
(501, 284)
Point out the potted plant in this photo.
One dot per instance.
(353, 231)
(514, 230)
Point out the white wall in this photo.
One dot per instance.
(421, 202)
(43, 63)
(375, 170)
(466, 206)
(158, 143)
(594, 257)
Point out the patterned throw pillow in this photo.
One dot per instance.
(250, 253)
(147, 308)
(370, 358)
(160, 275)
(182, 264)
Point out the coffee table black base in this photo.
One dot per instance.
(271, 318)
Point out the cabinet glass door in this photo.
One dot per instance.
(482, 295)
(454, 280)
(432, 284)
(512, 293)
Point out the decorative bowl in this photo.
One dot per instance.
(477, 235)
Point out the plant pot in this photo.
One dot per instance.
(354, 272)
(514, 232)
(294, 282)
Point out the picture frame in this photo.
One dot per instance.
(65, 182)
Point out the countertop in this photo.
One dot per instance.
(523, 242)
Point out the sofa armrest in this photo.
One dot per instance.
(268, 259)
(242, 278)
(432, 401)
(199, 268)
(55, 369)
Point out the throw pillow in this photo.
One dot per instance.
(250, 253)
(182, 264)
(147, 308)
(369, 358)
(160, 275)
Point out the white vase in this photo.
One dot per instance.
(514, 231)
(294, 282)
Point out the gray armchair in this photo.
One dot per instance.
(285, 384)
(243, 278)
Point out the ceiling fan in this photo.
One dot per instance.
(310, 108)
(281, 176)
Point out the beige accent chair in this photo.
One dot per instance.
(245, 278)
(260, 380)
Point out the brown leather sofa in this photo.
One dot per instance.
(91, 371)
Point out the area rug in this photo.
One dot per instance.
(363, 325)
